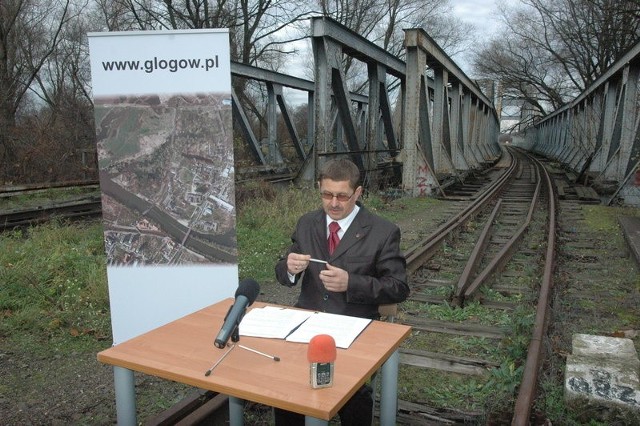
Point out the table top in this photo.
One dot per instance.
(183, 351)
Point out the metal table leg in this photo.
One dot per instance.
(236, 408)
(389, 392)
(125, 388)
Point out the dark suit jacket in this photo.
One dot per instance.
(369, 251)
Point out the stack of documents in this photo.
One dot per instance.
(296, 325)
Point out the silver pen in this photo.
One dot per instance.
(275, 358)
(317, 260)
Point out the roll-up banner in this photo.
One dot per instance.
(165, 154)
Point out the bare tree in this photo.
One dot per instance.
(551, 50)
(67, 109)
(256, 26)
(112, 15)
(29, 34)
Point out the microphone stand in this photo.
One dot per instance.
(235, 334)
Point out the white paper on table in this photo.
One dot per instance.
(272, 322)
(344, 329)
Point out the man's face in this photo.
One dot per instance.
(332, 191)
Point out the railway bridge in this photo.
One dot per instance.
(423, 124)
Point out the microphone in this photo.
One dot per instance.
(321, 353)
(245, 295)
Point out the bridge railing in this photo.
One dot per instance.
(449, 125)
(266, 152)
(596, 135)
(437, 125)
(366, 133)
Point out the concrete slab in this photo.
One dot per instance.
(604, 371)
(603, 346)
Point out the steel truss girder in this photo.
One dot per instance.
(360, 137)
(598, 131)
(462, 130)
(445, 124)
(274, 82)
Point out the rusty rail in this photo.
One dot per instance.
(528, 385)
(419, 254)
(424, 250)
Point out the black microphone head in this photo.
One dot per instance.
(248, 288)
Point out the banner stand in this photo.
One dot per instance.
(163, 116)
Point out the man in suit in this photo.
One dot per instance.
(365, 266)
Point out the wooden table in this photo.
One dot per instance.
(183, 351)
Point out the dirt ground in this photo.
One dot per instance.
(77, 389)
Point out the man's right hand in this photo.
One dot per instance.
(296, 263)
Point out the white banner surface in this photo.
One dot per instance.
(165, 153)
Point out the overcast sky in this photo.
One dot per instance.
(483, 14)
(478, 12)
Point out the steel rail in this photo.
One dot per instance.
(14, 190)
(476, 256)
(528, 385)
(425, 249)
(87, 207)
(507, 250)
(543, 187)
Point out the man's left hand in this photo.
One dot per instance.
(334, 279)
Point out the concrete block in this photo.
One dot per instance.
(609, 347)
(604, 371)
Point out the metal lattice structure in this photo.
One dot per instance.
(596, 134)
(438, 124)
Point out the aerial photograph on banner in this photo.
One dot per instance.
(167, 179)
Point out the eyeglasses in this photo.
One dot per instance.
(326, 195)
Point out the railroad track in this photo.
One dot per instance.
(82, 206)
(480, 287)
(474, 283)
